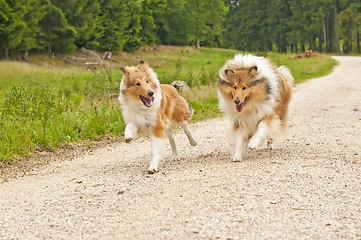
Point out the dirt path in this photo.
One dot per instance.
(308, 187)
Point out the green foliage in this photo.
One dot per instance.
(83, 15)
(34, 11)
(58, 36)
(12, 26)
(350, 22)
(120, 25)
(134, 27)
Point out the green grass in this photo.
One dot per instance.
(47, 102)
(305, 68)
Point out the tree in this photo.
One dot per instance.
(207, 19)
(115, 20)
(34, 11)
(12, 26)
(132, 32)
(350, 23)
(148, 20)
(59, 36)
(278, 28)
(174, 24)
(83, 15)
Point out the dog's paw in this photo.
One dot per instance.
(253, 143)
(175, 158)
(152, 170)
(128, 139)
(236, 158)
(193, 143)
(270, 146)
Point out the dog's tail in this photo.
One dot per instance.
(286, 74)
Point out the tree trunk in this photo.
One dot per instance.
(49, 50)
(310, 42)
(26, 54)
(328, 36)
(357, 41)
(336, 27)
(324, 33)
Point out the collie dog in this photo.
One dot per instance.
(254, 96)
(148, 107)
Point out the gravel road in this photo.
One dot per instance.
(308, 187)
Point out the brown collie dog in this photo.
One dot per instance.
(149, 107)
(254, 96)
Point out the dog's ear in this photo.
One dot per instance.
(253, 70)
(229, 72)
(125, 70)
(142, 66)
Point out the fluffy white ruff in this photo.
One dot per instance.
(135, 112)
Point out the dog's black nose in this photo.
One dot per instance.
(150, 93)
(237, 101)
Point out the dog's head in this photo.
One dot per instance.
(139, 83)
(235, 85)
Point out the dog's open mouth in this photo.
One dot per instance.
(240, 106)
(147, 101)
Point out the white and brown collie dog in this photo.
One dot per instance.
(254, 96)
(149, 107)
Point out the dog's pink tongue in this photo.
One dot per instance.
(149, 101)
(239, 107)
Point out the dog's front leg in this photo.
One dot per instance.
(238, 145)
(157, 152)
(131, 132)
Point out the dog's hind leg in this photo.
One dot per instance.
(157, 152)
(169, 134)
(184, 126)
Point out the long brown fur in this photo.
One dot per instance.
(172, 107)
(254, 95)
(148, 109)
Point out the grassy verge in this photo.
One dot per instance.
(46, 104)
(305, 68)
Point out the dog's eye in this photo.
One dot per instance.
(138, 84)
(235, 88)
(147, 81)
(244, 88)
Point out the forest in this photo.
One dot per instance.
(63, 26)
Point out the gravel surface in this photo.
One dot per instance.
(308, 187)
